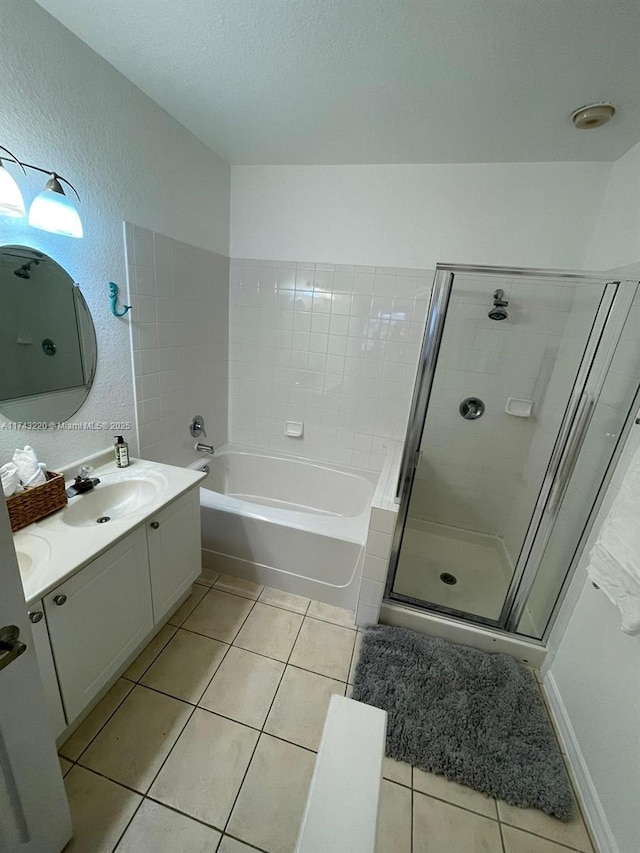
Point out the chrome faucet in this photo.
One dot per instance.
(204, 448)
(83, 482)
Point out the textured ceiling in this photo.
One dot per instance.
(378, 81)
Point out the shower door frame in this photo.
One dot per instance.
(604, 332)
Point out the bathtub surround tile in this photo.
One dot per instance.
(161, 830)
(324, 648)
(203, 774)
(354, 658)
(571, 833)
(132, 746)
(91, 725)
(394, 819)
(186, 666)
(100, 811)
(439, 827)
(269, 631)
(238, 586)
(459, 795)
(367, 614)
(327, 613)
(198, 592)
(243, 687)
(271, 803)
(300, 707)
(285, 600)
(150, 653)
(219, 615)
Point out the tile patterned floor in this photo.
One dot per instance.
(207, 743)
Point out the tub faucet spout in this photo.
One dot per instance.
(204, 448)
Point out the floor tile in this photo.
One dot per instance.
(92, 724)
(219, 615)
(198, 592)
(238, 586)
(243, 687)
(397, 771)
(208, 577)
(156, 829)
(186, 666)
(271, 803)
(150, 653)
(328, 613)
(460, 795)
(324, 648)
(100, 811)
(572, 833)
(300, 707)
(517, 841)
(286, 600)
(394, 819)
(269, 631)
(355, 656)
(230, 845)
(65, 765)
(442, 828)
(202, 775)
(132, 746)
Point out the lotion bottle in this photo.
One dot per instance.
(122, 452)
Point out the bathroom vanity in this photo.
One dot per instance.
(97, 590)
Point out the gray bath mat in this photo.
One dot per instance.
(476, 718)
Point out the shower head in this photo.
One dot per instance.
(498, 314)
(23, 271)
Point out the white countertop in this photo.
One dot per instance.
(71, 548)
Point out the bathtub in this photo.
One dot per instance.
(286, 522)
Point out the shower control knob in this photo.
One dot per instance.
(471, 408)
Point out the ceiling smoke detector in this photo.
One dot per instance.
(592, 115)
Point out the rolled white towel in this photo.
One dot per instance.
(31, 471)
(10, 479)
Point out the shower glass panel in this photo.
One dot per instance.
(513, 349)
(611, 411)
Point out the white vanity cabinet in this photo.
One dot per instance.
(173, 539)
(97, 618)
(52, 700)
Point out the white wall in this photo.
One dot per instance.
(533, 214)
(64, 107)
(616, 239)
(180, 340)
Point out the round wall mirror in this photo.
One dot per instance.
(48, 347)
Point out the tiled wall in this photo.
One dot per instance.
(332, 346)
(179, 328)
(472, 470)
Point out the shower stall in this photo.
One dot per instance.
(526, 389)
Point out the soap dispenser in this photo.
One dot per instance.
(122, 452)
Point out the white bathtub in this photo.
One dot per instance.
(286, 522)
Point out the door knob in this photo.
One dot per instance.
(59, 599)
(155, 524)
(35, 616)
(10, 646)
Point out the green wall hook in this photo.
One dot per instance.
(113, 296)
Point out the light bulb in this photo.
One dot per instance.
(11, 201)
(52, 211)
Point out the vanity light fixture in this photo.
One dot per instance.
(50, 210)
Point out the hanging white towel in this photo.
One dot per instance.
(31, 471)
(614, 563)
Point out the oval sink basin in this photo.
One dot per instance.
(32, 552)
(110, 501)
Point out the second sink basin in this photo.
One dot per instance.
(111, 501)
(31, 551)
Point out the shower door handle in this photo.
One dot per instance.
(572, 451)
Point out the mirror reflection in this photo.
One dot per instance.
(47, 339)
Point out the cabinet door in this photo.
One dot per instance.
(97, 618)
(173, 537)
(42, 646)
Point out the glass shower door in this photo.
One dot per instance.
(506, 359)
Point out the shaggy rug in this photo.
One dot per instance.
(476, 718)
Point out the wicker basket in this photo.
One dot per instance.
(36, 502)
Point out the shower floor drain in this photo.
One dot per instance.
(448, 578)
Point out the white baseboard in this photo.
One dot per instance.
(594, 816)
